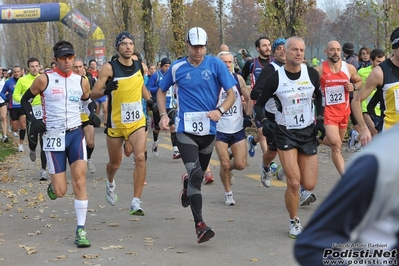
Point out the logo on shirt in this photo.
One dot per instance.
(206, 74)
(188, 76)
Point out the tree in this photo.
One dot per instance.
(178, 15)
(316, 24)
(243, 24)
(284, 18)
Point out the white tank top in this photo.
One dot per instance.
(61, 101)
(232, 119)
(270, 105)
(296, 100)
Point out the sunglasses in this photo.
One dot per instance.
(64, 57)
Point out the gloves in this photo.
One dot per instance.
(268, 127)
(110, 86)
(152, 105)
(94, 120)
(320, 127)
(7, 99)
(38, 126)
(247, 122)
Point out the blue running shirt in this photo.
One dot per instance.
(197, 90)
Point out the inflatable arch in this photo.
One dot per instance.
(28, 13)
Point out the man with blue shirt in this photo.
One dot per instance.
(198, 79)
(155, 79)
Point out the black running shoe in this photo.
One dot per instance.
(183, 194)
(204, 233)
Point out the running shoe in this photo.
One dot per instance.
(81, 239)
(231, 178)
(295, 228)
(183, 194)
(155, 151)
(20, 148)
(273, 167)
(50, 192)
(5, 139)
(352, 139)
(90, 166)
(306, 198)
(208, 178)
(279, 172)
(176, 155)
(204, 233)
(228, 200)
(230, 153)
(251, 147)
(135, 209)
(43, 175)
(112, 198)
(32, 155)
(265, 176)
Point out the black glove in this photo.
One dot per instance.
(94, 120)
(152, 105)
(38, 126)
(110, 86)
(7, 99)
(268, 127)
(320, 127)
(247, 122)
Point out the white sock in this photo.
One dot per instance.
(175, 148)
(228, 193)
(81, 211)
(112, 185)
(134, 200)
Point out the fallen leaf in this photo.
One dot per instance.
(91, 256)
(19, 210)
(72, 250)
(180, 251)
(113, 224)
(254, 260)
(62, 257)
(40, 196)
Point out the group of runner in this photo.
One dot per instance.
(205, 105)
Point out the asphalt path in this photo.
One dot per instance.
(35, 230)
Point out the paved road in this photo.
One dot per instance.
(37, 231)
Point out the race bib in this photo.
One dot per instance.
(197, 123)
(396, 94)
(296, 116)
(131, 112)
(54, 140)
(335, 95)
(37, 111)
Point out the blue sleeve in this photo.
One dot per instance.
(340, 213)
(167, 80)
(153, 84)
(4, 90)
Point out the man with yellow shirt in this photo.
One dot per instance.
(88, 128)
(123, 80)
(377, 56)
(21, 87)
(384, 77)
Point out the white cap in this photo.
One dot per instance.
(197, 36)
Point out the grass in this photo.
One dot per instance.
(7, 149)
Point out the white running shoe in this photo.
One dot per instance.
(295, 228)
(32, 155)
(306, 198)
(155, 151)
(20, 148)
(231, 178)
(228, 200)
(90, 166)
(112, 198)
(265, 176)
(279, 172)
(135, 209)
(43, 175)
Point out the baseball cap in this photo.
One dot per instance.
(64, 50)
(165, 61)
(197, 36)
